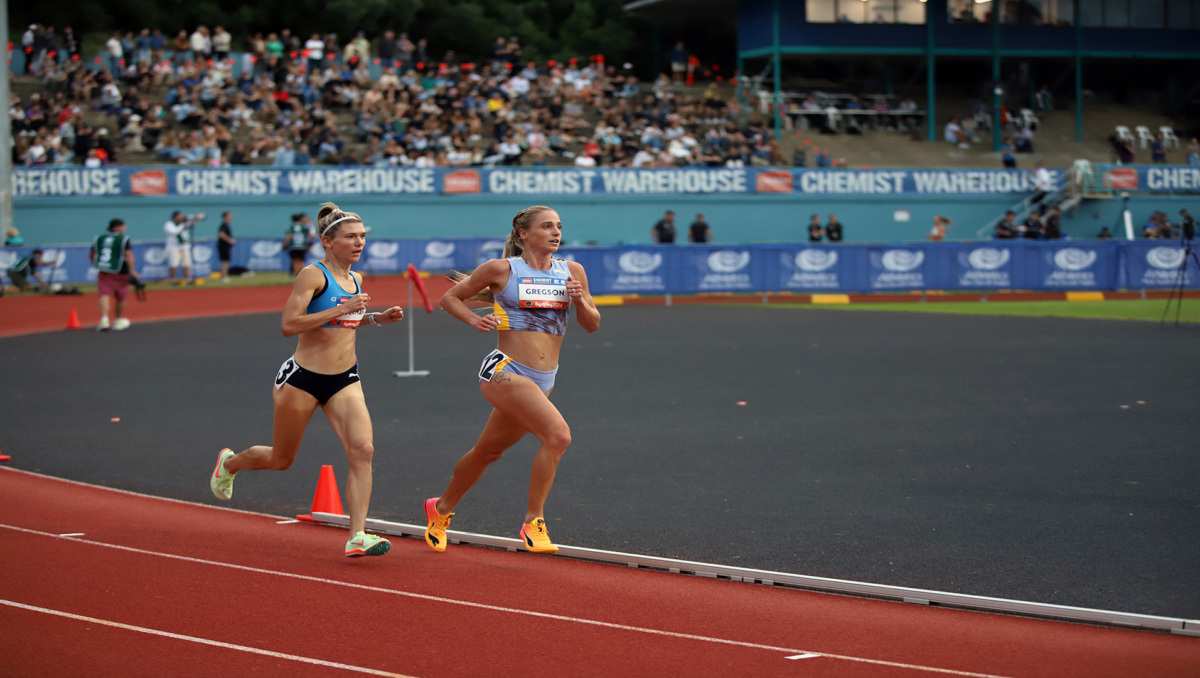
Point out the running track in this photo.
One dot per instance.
(153, 587)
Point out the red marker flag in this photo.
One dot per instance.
(415, 276)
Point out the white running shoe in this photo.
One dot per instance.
(120, 324)
(103, 326)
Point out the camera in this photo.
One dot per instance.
(200, 216)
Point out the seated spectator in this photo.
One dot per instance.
(1052, 230)
(799, 156)
(1044, 100)
(1006, 154)
(1158, 153)
(1032, 229)
(1104, 234)
(954, 134)
(1007, 228)
(1023, 138)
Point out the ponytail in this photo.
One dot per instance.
(513, 247)
(329, 218)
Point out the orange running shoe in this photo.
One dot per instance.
(536, 538)
(435, 531)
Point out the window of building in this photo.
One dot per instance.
(865, 11)
(1147, 14)
(1116, 13)
(968, 11)
(1015, 12)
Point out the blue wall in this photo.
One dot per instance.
(605, 220)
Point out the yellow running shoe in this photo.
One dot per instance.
(536, 538)
(363, 544)
(221, 480)
(435, 532)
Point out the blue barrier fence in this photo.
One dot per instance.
(693, 269)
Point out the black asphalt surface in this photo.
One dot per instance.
(983, 455)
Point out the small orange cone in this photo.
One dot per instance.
(4, 457)
(327, 499)
(73, 321)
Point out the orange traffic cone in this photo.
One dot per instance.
(73, 321)
(4, 457)
(327, 499)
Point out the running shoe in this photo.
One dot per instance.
(120, 324)
(363, 544)
(103, 326)
(536, 538)
(435, 531)
(221, 481)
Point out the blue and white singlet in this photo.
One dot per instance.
(533, 300)
(332, 295)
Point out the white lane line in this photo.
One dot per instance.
(510, 610)
(72, 534)
(806, 655)
(286, 522)
(205, 641)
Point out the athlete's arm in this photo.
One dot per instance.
(308, 282)
(585, 307)
(131, 260)
(391, 315)
(488, 274)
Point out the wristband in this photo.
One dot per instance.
(371, 318)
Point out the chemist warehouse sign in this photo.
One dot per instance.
(71, 182)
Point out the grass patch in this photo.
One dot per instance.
(259, 279)
(1119, 309)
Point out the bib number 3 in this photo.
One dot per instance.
(488, 369)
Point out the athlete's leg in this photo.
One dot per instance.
(523, 402)
(500, 433)
(293, 409)
(347, 413)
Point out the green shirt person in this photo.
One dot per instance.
(112, 255)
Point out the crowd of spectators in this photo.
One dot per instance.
(1157, 227)
(291, 102)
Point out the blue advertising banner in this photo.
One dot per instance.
(260, 181)
(1147, 178)
(696, 269)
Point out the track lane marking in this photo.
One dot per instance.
(509, 610)
(204, 641)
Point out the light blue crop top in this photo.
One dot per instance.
(533, 300)
(332, 295)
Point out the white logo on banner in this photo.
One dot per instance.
(982, 268)
(383, 250)
(156, 256)
(902, 261)
(7, 259)
(639, 263)
(1071, 264)
(438, 254)
(988, 258)
(1165, 257)
(201, 254)
(266, 248)
(728, 261)
(1074, 259)
(816, 261)
(723, 266)
(317, 250)
(439, 250)
(54, 257)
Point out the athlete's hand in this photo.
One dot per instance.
(356, 303)
(486, 323)
(392, 315)
(574, 288)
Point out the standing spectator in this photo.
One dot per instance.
(26, 268)
(143, 46)
(297, 240)
(1052, 229)
(386, 48)
(115, 53)
(199, 44)
(178, 230)
(1033, 229)
(1158, 153)
(158, 43)
(938, 232)
(663, 231)
(422, 54)
(27, 39)
(815, 232)
(1187, 225)
(833, 230)
(699, 232)
(679, 59)
(112, 255)
(1193, 156)
(1043, 183)
(358, 49)
(315, 47)
(225, 243)
(1007, 228)
(70, 45)
(1044, 100)
(182, 47)
(1104, 234)
(221, 43)
(1006, 154)
(404, 53)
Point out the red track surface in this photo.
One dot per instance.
(214, 576)
(24, 315)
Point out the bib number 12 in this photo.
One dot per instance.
(489, 364)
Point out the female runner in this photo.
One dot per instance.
(531, 294)
(326, 305)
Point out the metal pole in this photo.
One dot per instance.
(1078, 79)
(411, 372)
(997, 131)
(778, 71)
(6, 213)
(930, 77)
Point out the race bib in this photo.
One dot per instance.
(542, 293)
(286, 370)
(348, 320)
(495, 359)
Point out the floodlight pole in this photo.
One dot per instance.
(411, 372)
(6, 191)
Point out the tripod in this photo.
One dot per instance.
(1180, 279)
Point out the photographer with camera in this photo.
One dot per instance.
(179, 244)
(112, 255)
(1187, 225)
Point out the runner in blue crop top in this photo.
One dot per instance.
(532, 294)
(326, 301)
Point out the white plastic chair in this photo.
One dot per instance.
(1124, 134)
(1029, 119)
(1144, 136)
(1169, 138)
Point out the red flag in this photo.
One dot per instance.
(415, 276)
